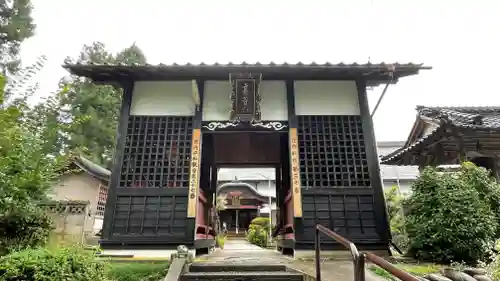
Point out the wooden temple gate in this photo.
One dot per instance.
(314, 127)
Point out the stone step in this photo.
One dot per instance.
(243, 276)
(208, 267)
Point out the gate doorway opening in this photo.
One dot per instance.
(244, 194)
(251, 171)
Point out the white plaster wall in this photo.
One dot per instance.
(273, 105)
(216, 100)
(163, 98)
(217, 104)
(98, 222)
(326, 98)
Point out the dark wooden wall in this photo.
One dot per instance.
(149, 205)
(244, 148)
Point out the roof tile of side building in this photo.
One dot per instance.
(92, 168)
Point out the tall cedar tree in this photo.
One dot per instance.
(16, 25)
(96, 107)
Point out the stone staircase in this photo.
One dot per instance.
(234, 235)
(239, 272)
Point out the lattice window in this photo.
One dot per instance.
(101, 200)
(332, 151)
(157, 151)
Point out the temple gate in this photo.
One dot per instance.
(180, 123)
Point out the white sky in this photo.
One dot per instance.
(460, 39)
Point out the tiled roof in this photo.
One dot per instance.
(92, 168)
(241, 184)
(395, 172)
(269, 70)
(271, 64)
(487, 117)
(478, 118)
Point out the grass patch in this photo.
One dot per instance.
(414, 269)
(138, 271)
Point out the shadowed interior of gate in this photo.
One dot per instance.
(244, 149)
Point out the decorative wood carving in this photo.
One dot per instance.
(212, 126)
(274, 125)
(242, 125)
(245, 96)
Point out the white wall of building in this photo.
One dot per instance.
(311, 98)
(217, 103)
(326, 98)
(404, 186)
(160, 98)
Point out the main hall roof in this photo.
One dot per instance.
(375, 73)
(479, 128)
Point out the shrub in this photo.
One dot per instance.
(447, 220)
(487, 186)
(138, 271)
(258, 235)
(262, 221)
(220, 240)
(23, 228)
(396, 217)
(44, 264)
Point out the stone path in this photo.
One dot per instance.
(242, 252)
(240, 245)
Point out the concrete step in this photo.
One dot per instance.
(243, 276)
(208, 267)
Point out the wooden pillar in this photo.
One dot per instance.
(195, 166)
(121, 134)
(237, 220)
(294, 160)
(278, 190)
(381, 216)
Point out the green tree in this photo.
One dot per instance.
(131, 55)
(27, 174)
(44, 121)
(485, 184)
(16, 25)
(96, 107)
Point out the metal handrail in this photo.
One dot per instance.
(358, 259)
(389, 267)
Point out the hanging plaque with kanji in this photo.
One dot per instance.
(245, 97)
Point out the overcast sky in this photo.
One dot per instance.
(460, 39)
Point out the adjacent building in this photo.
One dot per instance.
(400, 176)
(84, 181)
(449, 135)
